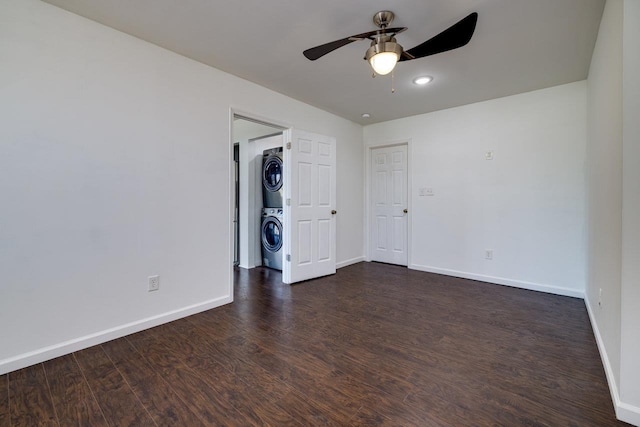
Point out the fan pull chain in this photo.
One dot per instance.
(393, 86)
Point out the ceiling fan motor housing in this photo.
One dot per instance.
(389, 46)
(383, 18)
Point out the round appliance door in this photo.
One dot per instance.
(272, 173)
(272, 234)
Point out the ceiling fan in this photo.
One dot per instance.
(385, 52)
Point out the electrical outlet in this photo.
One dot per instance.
(488, 254)
(154, 283)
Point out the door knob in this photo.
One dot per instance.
(333, 212)
(405, 210)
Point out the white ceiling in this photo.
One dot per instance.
(519, 46)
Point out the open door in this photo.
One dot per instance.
(310, 206)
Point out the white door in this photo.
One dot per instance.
(389, 207)
(310, 203)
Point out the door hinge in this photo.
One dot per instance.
(288, 202)
(288, 257)
(288, 145)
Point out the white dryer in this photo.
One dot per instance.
(271, 236)
(272, 178)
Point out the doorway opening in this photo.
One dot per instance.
(285, 207)
(250, 139)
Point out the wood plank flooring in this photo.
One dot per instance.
(373, 345)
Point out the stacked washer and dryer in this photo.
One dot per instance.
(272, 212)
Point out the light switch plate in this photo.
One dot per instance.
(428, 191)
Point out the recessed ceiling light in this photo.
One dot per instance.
(366, 115)
(422, 80)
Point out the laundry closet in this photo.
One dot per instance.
(258, 219)
(267, 173)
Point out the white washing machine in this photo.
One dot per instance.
(271, 235)
(272, 178)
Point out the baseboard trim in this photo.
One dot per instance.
(47, 353)
(624, 412)
(557, 290)
(608, 371)
(628, 413)
(350, 262)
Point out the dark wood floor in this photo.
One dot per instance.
(373, 345)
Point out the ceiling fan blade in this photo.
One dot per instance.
(320, 51)
(453, 37)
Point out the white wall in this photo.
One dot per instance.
(604, 185)
(630, 334)
(115, 164)
(527, 204)
(613, 188)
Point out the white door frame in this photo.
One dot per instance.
(369, 147)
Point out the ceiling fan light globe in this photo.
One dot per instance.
(383, 63)
(383, 57)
